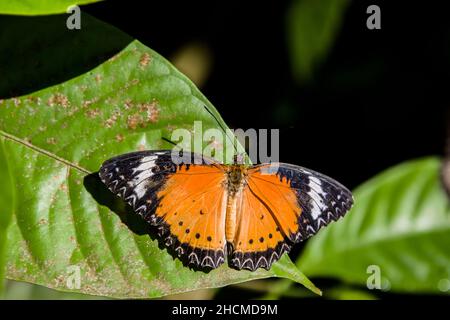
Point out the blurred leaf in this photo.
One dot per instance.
(346, 293)
(194, 60)
(312, 27)
(56, 137)
(48, 53)
(35, 7)
(400, 223)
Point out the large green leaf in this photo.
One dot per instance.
(311, 28)
(18, 290)
(7, 203)
(55, 138)
(400, 223)
(36, 7)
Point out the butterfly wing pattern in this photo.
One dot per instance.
(282, 205)
(183, 201)
(278, 205)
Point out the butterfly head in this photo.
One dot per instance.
(238, 159)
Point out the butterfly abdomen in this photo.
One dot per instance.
(230, 218)
(235, 184)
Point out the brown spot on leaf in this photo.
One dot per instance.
(58, 99)
(32, 99)
(16, 101)
(92, 113)
(112, 120)
(98, 78)
(119, 137)
(128, 104)
(151, 110)
(51, 140)
(144, 60)
(145, 113)
(72, 111)
(134, 121)
(87, 103)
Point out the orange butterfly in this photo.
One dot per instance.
(206, 211)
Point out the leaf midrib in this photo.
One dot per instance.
(44, 152)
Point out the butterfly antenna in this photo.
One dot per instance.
(222, 127)
(169, 141)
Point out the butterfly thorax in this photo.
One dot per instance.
(236, 179)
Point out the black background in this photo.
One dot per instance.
(379, 98)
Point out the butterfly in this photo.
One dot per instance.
(207, 212)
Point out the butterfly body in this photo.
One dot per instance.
(236, 180)
(207, 211)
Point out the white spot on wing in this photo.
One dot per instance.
(146, 163)
(140, 190)
(143, 175)
(145, 172)
(317, 194)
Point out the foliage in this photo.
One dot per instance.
(38, 7)
(312, 27)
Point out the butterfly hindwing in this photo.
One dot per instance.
(183, 201)
(259, 239)
(191, 215)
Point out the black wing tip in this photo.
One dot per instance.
(258, 259)
(309, 228)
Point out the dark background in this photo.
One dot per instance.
(379, 98)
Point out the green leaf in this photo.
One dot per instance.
(7, 205)
(312, 27)
(62, 225)
(400, 223)
(16, 290)
(286, 269)
(37, 7)
(347, 293)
